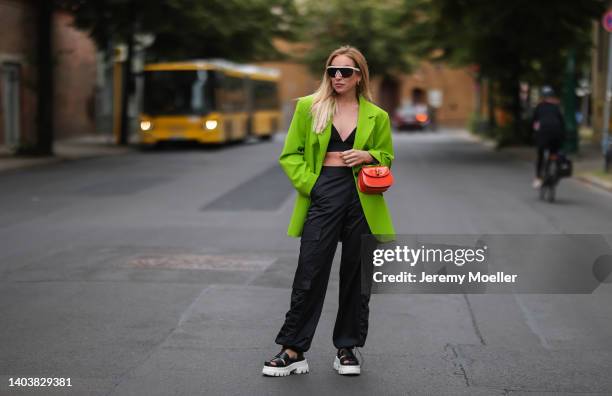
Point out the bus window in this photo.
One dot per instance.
(232, 93)
(178, 92)
(265, 94)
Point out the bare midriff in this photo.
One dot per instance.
(333, 158)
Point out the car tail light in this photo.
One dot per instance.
(421, 117)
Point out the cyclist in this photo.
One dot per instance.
(549, 129)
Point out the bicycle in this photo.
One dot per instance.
(550, 176)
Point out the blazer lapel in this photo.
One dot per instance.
(323, 139)
(365, 123)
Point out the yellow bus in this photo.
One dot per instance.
(208, 101)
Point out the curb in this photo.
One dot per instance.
(15, 164)
(12, 164)
(595, 181)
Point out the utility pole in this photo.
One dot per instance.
(605, 136)
(128, 80)
(569, 103)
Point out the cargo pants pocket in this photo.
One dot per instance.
(309, 245)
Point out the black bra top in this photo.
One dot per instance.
(337, 144)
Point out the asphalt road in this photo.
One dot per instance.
(169, 273)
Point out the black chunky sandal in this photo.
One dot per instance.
(346, 363)
(282, 364)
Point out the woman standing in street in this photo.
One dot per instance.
(334, 132)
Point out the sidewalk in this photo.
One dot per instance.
(88, 146)
(588, 162)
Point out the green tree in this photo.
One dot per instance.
(377, 29)
(510, 41)
(239, 30)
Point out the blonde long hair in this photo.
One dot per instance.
(324, 98)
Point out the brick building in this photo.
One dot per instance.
(74, 75)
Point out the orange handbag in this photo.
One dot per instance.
(374, 179)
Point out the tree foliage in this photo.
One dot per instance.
(507, 42)
(239, 30)
(377, 29)
(530, 39)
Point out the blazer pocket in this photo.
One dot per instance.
(307, 265)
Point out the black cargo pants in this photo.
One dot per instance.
(335, 214)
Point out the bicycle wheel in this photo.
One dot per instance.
(551, 194)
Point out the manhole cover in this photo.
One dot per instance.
(203, 262)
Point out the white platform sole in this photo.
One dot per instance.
(300, 367)
(346, 370)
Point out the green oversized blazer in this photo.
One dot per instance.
(304, 151)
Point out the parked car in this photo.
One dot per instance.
(412, 116)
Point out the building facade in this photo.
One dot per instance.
(74, 75)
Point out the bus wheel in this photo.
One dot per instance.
(265, 137)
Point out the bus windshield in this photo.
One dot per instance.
(178, 92)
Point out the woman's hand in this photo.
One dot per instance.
(354, 157)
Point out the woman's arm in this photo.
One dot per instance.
(382, 146)
(535, 118)
(292, 157)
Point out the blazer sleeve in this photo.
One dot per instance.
(382, 145)
(292, 157)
